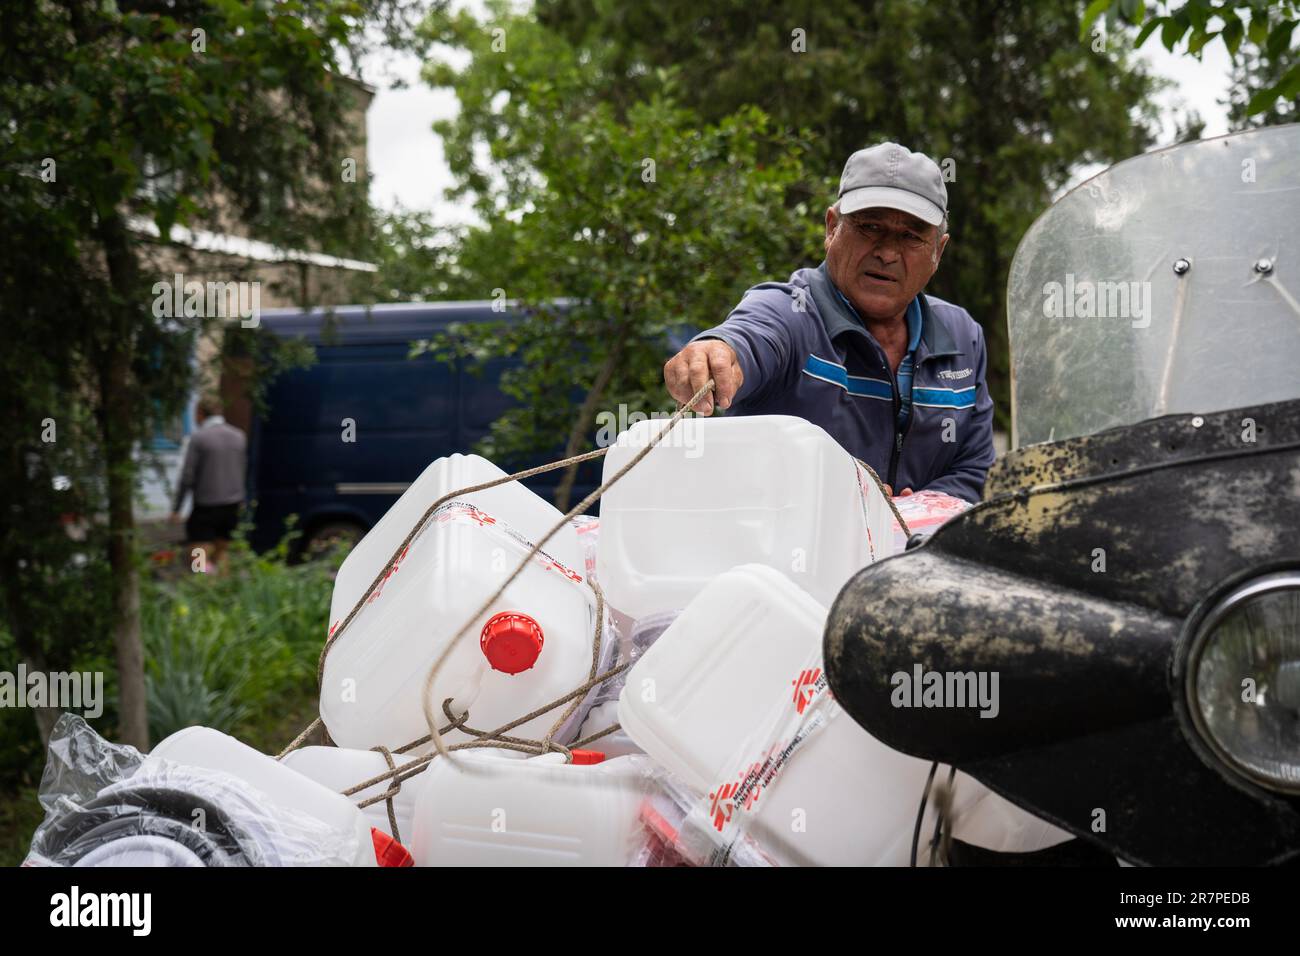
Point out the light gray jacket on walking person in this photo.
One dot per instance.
(214, 465)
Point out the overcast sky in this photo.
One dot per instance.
(408, 168)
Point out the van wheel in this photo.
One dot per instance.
(324, 541)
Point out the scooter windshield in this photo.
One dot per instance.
(1170, 283)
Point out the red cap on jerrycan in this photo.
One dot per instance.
(388, 852)
(511, 642)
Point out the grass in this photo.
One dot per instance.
(20, 814)
(225, 651)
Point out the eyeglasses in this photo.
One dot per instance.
(874, 232)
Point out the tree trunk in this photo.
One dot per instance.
(586, 419)
(116, 422)
(133, 727)
(46, 717)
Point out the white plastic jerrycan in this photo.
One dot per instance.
(530, 515)
(480, 810)
(340, 769)
(718, 492)
(531, 647)
(733, 700)
(289, 790)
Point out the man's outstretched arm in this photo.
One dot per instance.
(744, 355)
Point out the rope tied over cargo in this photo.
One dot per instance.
(392, 791)
(577, 509)
(889, 500)
(499, 737)
(494, 738)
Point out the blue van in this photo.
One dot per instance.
(406, 413)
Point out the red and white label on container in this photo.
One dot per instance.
(867, 486)
(465, 512)
(736, 797)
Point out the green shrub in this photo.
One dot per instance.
(193, 677)
(226, 650)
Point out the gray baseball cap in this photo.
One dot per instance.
(894, 177)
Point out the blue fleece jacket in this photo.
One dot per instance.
(804, 352)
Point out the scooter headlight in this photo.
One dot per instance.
(1243, 680)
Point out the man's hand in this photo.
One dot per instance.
(688, 370)
(175, 518)
(902, 494)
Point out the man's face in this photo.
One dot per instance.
(881, 258)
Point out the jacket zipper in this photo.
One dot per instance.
(893, 459)
(897, 452)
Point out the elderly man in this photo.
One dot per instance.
(897, 377)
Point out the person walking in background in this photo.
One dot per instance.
(213, 471)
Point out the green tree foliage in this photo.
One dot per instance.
(417, 260)
(115, 115)
(645, 219)
(1255, 71)
(1267, 82)
(1004, 90)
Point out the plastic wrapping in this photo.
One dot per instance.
(80, 763)
(572, 728)
(725, 825)
(924, 512)
(643, 634)
(675, 833)
(603, 706)
(588, 529)
(106, 806)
